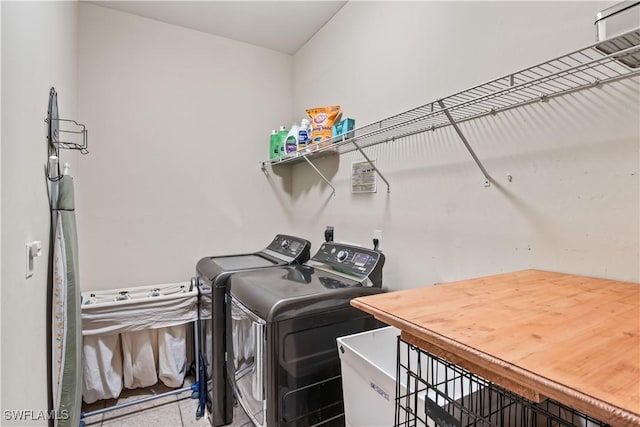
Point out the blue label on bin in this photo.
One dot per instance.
(379, 390)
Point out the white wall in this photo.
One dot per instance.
(38, 51)
(0, 197)
(573, 205)
(178, 121)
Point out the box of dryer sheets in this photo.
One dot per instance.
(368, 363)
(343, 127)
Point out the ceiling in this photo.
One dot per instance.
(284, 26)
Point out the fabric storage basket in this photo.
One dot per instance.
(134, 336)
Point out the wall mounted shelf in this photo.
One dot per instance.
(607, 61)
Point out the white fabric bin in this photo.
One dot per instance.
(172, 355)
(140, 358)
(368, 363)
(102, 367)
(134, 336)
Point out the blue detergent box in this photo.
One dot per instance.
(343, 127)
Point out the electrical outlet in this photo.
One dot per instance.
(377, 234)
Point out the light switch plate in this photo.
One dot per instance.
(33, 250)
(29, 259)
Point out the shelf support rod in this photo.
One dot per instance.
(487, 178)
(372, 165)
(321, 175)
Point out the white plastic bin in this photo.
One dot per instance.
(368, 362)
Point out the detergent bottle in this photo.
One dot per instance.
(282, 137)
(304, 134)
(291, 143)
(273, 145)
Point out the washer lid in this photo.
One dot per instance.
(212, 267)
(283, 250)
(241, 262)
(285, 292)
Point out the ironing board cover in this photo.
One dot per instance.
(66, 327)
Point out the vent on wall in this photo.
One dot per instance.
(614, 29)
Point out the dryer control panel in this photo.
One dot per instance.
(290, 246)
(351, 260)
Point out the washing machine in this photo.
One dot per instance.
(213, 274)
(283, 327)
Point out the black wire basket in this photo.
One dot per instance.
(431, 391)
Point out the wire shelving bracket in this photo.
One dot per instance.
(355, 144)
(487, 178)
(603, 62)
(333, 189)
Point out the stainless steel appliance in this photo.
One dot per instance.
(213, 274)
(284, 323)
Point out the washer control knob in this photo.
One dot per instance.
(342, 256)
(285, 244)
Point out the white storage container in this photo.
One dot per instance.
(368, 362)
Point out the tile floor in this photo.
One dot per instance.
(171, 411)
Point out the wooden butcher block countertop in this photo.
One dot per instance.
(574, 339)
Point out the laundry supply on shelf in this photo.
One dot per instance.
(345, 126)
(273, 144)
(282, 137)
(291, 143)
(322, 119)
(304, 134)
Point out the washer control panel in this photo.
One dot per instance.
(289, 245)
(348, 259)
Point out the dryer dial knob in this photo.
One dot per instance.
(342, 256)
(285, 244)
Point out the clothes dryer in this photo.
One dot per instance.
(213, 275)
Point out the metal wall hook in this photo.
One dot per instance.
(54, 137)
(54, 132)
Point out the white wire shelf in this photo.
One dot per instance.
(614, 59)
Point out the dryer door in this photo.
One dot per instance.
(249, 363)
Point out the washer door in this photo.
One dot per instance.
(248, 340)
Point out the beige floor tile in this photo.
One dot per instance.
(117, 416)
(170, 411)
(166, 415)
(96, 420)
(188, 407)
(188, 380)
